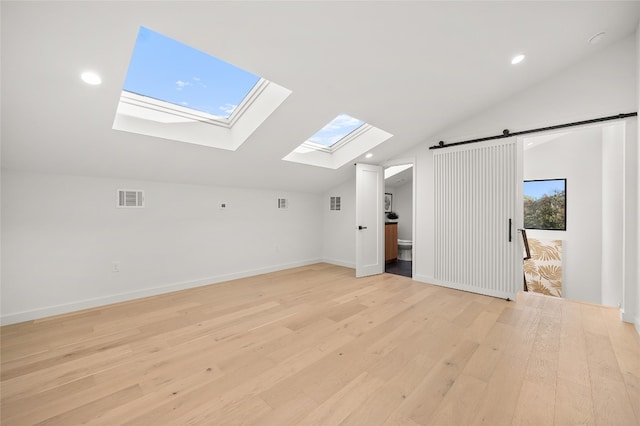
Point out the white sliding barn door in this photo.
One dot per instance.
(478, 197)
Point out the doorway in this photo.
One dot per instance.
(399, 219)
(589, 260)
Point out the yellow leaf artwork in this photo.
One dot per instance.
(543, 272)
(538, 287)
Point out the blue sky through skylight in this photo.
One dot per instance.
(165, 69)
(337, 129)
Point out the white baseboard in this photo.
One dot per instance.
(65, 308)
(423, 278)
(635, 320)
(340, 263)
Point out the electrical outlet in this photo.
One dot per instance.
(115, 266)
(224, 206)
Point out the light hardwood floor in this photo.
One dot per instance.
(313, 345)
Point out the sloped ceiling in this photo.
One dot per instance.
(410, 68)
(400, 179)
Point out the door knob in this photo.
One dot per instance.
(362, 227)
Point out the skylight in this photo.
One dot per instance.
(168, 70)
(336, 130)
(341, 140)
(176, 92)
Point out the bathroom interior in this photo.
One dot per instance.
(399, 219)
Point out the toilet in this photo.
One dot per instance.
(404, 249)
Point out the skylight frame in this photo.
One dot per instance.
(150, 117)
(165, 107)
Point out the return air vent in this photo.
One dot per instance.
(283, 203)
(130, 198)
(334, 204)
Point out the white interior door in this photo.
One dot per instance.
(369, 220)
(478, 209)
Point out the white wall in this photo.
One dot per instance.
(582, 240)
(613, 138)
(631, 215)
(339, 237)
(61, 234)
(633, 294)
(403, 206)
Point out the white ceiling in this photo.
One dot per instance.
(409, 68)
(400, 179)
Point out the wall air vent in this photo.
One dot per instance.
(130, 198)
(334, 204)
(283, 203)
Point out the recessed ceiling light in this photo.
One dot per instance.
(369, 155)
(597, 38)
(517, 59)
(91, 78)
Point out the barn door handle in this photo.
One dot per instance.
(509, 229)
(362, 227)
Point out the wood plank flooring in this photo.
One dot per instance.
(313, 345)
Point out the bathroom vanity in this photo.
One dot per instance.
(390, 241)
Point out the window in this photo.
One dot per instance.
(174, 91)
(341, 140)
(545, 204)
(330, 136)
(164, 69)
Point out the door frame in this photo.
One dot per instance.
(413, 162)
(626, 126)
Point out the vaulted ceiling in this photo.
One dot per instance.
(409, 68)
